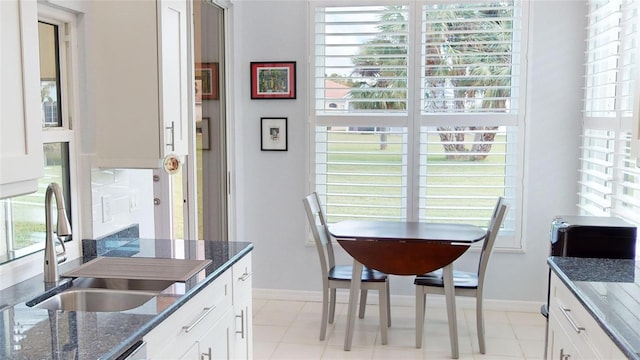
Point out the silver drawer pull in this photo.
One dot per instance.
(575, 326)
(205, 312)
(241, 316)
(245, 276)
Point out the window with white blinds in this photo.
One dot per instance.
(609, 180)
(416, 110)
(469, 52)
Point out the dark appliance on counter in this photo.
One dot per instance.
(589, 237)
(593, 237)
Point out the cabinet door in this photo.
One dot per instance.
(242, 304)
(573, 329)
(137, 76)
(174, 84)
(560, 345)
(21, 154)
(214, 344)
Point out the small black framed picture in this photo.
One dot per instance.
(273, 134)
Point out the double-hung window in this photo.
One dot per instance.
(22, 228)
(609, 179)
(417, 110)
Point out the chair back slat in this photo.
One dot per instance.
(492, 220)
(320, 232)
(495, 223)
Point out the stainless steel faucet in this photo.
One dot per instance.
(51, 257)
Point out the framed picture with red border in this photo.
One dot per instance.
(273, 80)
(206, 81)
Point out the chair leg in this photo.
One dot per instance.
(480, 324)
(388, 304)
(363, 303)
(420, 310)
(450, 299)
(383, 307)
(325, 309)
(332, 305)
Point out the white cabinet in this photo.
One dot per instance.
(185, 327)
(214, 344)
(573, 332)
(138, 90)
(214, 324)
(21, 154)
(561, 346)
(242, 307)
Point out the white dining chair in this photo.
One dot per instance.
(465, 283)
(339, 276)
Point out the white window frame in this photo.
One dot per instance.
(66, 25)
(68, 132)
(413, 120)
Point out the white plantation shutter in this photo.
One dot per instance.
(609, 180)
(596, 173)
(471, 80)
(415, 111)
(480, 45)
(626, 198)
(361, 95)
(363, 49)
(356, 180)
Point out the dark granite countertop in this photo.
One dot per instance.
(610, 290)
(33, 333)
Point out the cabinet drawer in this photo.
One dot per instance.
(583, 329)
(185, 326)
(561, 343)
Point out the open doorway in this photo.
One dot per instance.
(199, 201)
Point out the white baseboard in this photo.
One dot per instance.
(399, 300)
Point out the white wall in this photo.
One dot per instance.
(271, 185)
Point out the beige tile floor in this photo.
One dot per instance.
(285, 329)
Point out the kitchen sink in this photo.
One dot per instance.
(96, 300)
(102, 295)
(121, 284)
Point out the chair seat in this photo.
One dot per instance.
(461, 279)
(343, 273)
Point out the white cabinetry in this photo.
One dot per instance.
(208, 325)
(242, 305)
(21, 154)
(214, 344)
(137, 61)
(182, 330)
(573, 332)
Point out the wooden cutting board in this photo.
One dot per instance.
(139, 268)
